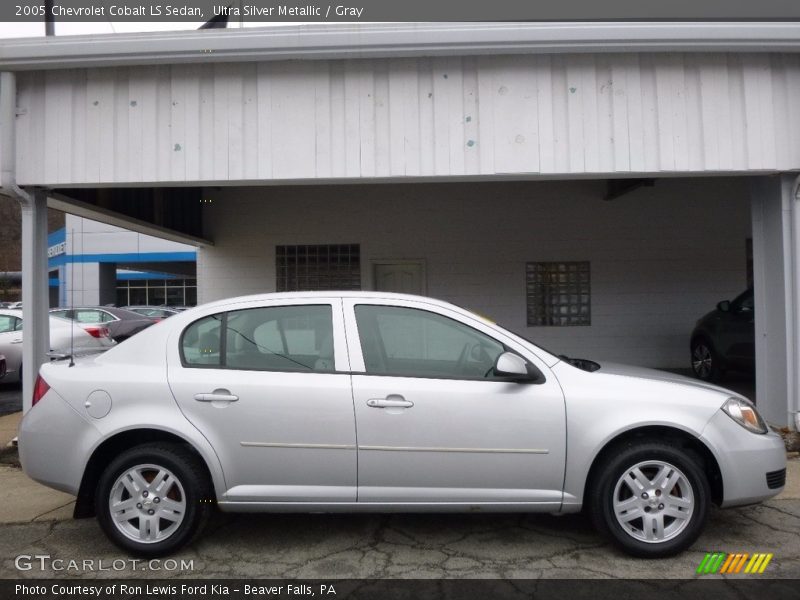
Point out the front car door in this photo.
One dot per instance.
(11, 343)
(268, 386)
(737, 332)
(435, 425)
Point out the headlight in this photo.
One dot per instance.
(745, 414)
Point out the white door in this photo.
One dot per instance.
(269, 387)
(402, 277)
(434, 422)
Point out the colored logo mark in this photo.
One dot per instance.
(722, 562)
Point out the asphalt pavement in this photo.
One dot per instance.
(404, 546)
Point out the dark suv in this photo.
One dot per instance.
(724, 339)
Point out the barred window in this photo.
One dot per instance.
(558, 294)
(320, 267)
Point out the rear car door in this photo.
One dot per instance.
(435, 424)
(268, 385)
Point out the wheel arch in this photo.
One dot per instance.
(678, 437)
(704, 335)
(110, 448)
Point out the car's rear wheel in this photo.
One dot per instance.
(651, 499)
(153, 499)
(706, 364)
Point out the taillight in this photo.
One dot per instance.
(97, 332)
(40, 388)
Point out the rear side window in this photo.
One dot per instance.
(9, 323)
(92, 316)
(276, 338)
(201, 342)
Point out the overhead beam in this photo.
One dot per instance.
(78, 208)
(616, 188)
(378, 40)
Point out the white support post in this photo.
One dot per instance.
(776, 274)
(35, 292)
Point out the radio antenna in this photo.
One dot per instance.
(72, 305)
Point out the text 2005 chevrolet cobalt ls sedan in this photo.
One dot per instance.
(381, 402)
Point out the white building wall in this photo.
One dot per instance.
(93, 237)
(660, 257)
(410, 117)
(83, 283)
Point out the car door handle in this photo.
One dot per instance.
(16, 341)
(390, 402)
(216, 396)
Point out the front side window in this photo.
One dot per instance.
(280, 338)
(743, 302)
(417, 343)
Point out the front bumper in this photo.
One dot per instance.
(745, 459)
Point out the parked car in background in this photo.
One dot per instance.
(253, 404)
(724, 339)
(121, 323)
(15, 305)
(154, 312)
(5, 304)
(65, 337)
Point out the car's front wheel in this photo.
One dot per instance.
(706, 365)
(651, 499)
(153, 499)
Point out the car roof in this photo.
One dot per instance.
(368, 295)
(118, 312)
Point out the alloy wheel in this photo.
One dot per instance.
(147, 503)
(653, 501)
(702, 361)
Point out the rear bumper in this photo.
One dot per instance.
(45, 430)
(748, 462)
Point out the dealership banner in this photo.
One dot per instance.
(397, 589)
(252, 11)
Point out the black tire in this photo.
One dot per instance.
(193, 487)
(706, 363)
(603, 491)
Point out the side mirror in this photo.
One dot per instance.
(513, 367)
(724, 306)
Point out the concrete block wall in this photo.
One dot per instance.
(660, 256)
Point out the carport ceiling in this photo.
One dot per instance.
(167, 212)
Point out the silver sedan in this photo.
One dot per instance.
(381, 402)
(64, 338)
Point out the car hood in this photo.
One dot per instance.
(658, 375)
